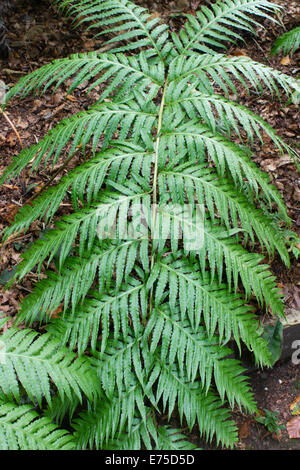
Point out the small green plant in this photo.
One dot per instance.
(154, 271)
(288, 43)
(270, 421)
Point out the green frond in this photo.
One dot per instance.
(96, 428)
(82, 327)
(125, 73)
(288, 43)
(194, 404)
(21, 428)
(200, 299)
(173, 439)
(213, 26)
(72, 284)
(204, 70)
(125, 20)
(193, 142)
(199, 356)
(196, 183)
(119, 361)
(34, 360)
(223, 115)
(84, 183)
(86, 225)
(143, 435)
(153, 273)
(84, 127)
(62, 409)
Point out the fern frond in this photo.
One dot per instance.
(197, 353)
(200, 299)
(85, 182)
(193, 403)
(215, 109)
(72, 284)
(194, 142)
(34, 360)
(142, 436)
(84, 127)
(201, 182)
(254, 275)
(119, 361)
(288, 43)
(173, 439)
(83, 327)
(151, 275)
(204, 70)
(213, 26)
(21, 428)
(124, 72)
(125, 19)
(96, 221)
(61, 409)
(110, 419)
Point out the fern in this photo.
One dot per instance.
(33, 361)
(149, 314)
(22, 429)
(288, 43)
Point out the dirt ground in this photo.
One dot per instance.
(38, 35)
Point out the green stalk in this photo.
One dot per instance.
(153, 217)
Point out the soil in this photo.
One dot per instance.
(37, 35)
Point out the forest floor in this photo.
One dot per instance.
(37, 35)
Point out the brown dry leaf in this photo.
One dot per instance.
(284, 160)
(297, 194)
(269, 164)
(23, 124)
(295, 406)
(56, 313)
(11, 139)
(10, 186)
(240, 52)
(89, 44)
(293, 428)
(244, 430)
(12, 210)
(71, 98)
(285, 61)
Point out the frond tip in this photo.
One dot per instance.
(288, 43)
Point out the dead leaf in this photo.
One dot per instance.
(293, 428)
(11, 139)
(269, 164)
(240, 52)
(11, 213)
(71, 98)
(285, 61)
(56, 313)
(89, 44)
(244, 430)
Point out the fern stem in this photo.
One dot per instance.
(155, 175)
